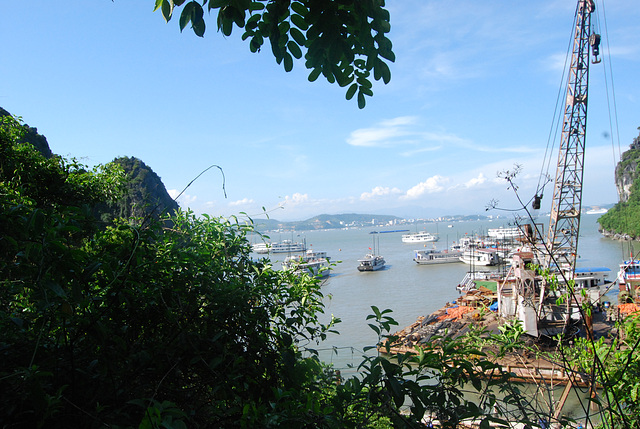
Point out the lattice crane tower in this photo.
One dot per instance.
(564, 222)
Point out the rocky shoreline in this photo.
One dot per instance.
(617, 236)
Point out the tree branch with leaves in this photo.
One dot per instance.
(343, 40)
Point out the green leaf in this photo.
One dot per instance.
(361, 101)
(256, 43)
(299, 8)
(374, 328)
(158, 4)
(294, 49)
(185, 16)
(199, 27)
(298, 36)
(197, 20)
(315, 73)
(376, 311)
(167, 10)
(396, 392)
(252, 22)
(385, 71)
(288, 62)
(238, 17)
(299, 22)
(284, 27)
(226, 26)
(352, 91)
(366, 91)
(387, 54)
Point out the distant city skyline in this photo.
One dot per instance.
(473, 93)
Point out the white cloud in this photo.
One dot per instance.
(382, 134)
(411, 153)
(185, 199)
(241, 202)
(296, 199)
(379, 191)
(400, 120)
(476, 181)
(431, 185)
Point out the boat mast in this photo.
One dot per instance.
(564, 221)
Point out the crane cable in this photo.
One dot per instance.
(616, 148)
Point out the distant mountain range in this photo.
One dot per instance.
(325, 221)
(349, 220)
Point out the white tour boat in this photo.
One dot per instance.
(287, 246)
(419, 237)
(503, 233)
(433, 256)
(480, 256)
(316, 264)
(371, 262)
(261, 248)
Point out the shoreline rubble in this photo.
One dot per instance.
(472, 308)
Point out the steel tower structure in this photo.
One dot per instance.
(564, 222)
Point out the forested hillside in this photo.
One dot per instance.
(30, 135)
(624, 218)
(144, 194)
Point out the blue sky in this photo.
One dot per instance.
(473, 92)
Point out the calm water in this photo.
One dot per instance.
(409, 289)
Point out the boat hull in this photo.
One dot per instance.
(370, 267)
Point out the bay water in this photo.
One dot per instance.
(409, 289)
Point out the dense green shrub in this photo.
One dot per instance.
(99, 326)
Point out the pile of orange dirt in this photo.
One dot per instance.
(628, 308)
(456, 313)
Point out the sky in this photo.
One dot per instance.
(473, 93)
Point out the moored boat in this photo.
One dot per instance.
(261, 248)
(593, 281)
(629, 276)
(371, 262)
(503, 233)
(285, 246)
(480, 256)
(316, 264)
(597, 210)
(433, 256)
(419, 237)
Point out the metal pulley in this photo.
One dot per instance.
(594, 41)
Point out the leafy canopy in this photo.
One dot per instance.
(343, 40)
(139, 326)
